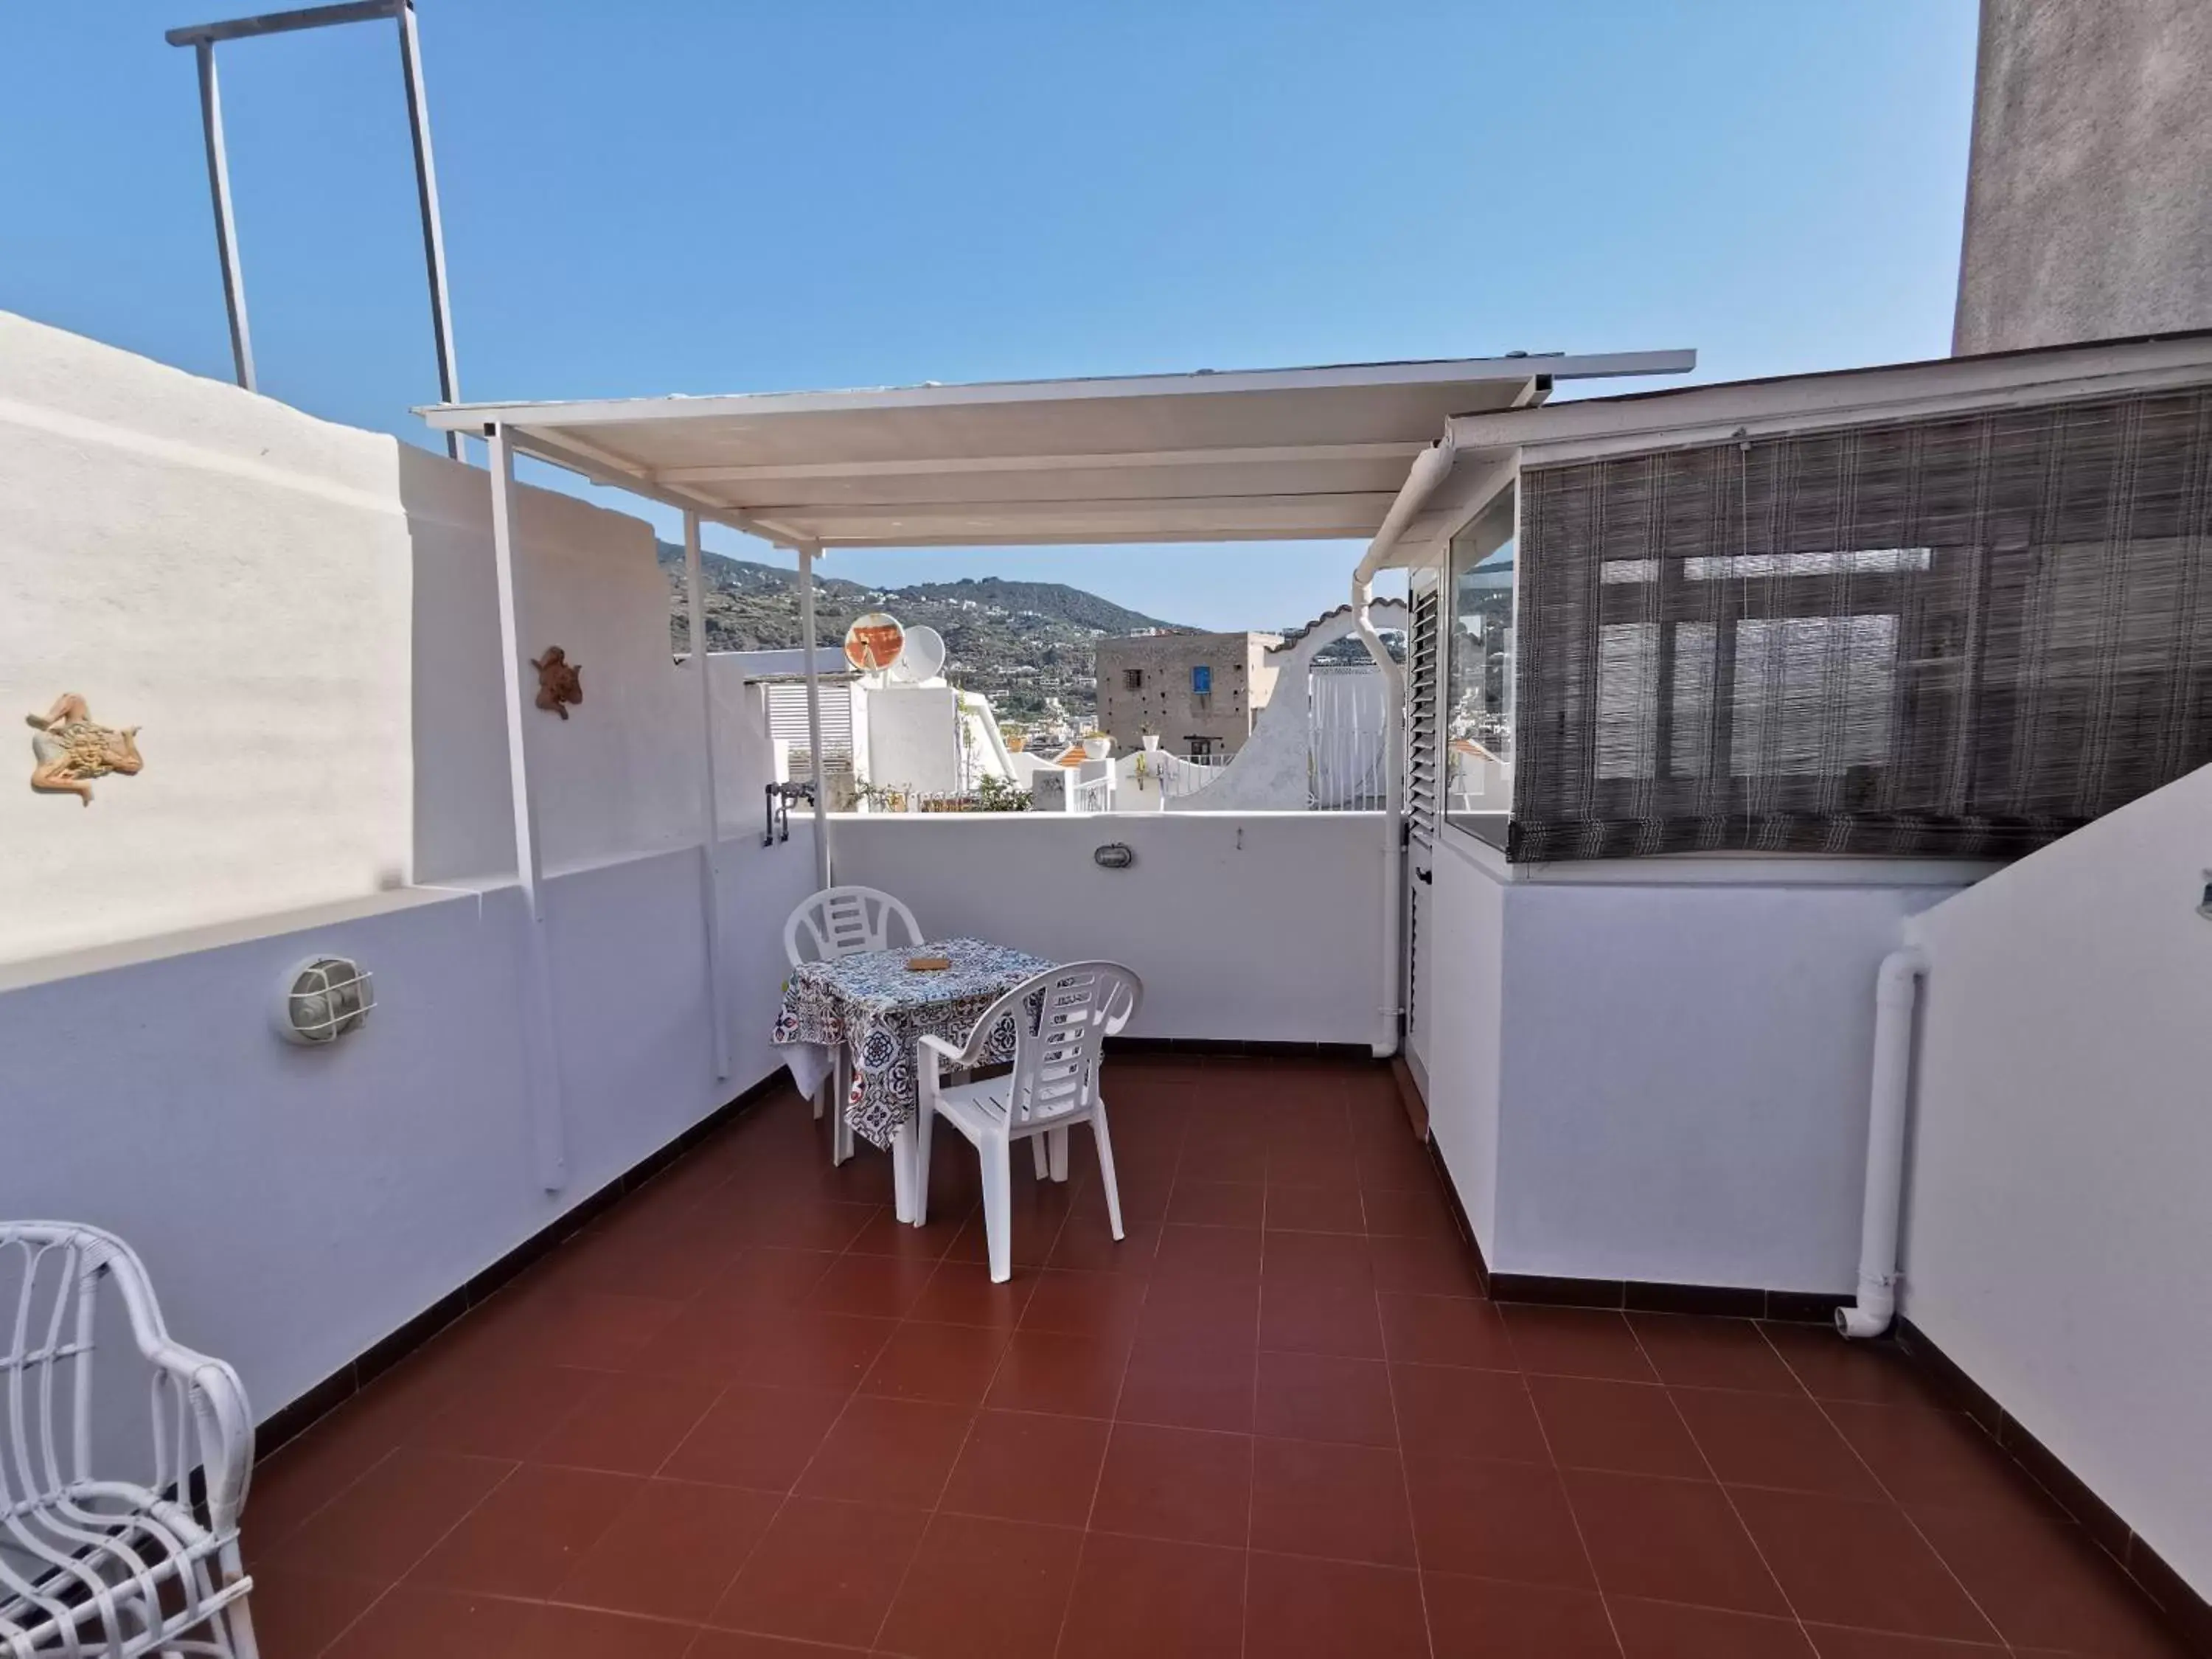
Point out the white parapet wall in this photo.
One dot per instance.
(1244, 927)
(2059, 1202)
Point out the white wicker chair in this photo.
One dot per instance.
(842, 922)
(1054, 1084)
(91, 1564)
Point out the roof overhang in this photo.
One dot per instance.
(1266, 454)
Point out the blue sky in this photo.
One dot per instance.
(699, 197)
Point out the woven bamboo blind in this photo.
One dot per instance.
(1962, 637)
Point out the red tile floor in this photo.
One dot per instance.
(744, 1414)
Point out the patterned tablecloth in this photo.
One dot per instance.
(879, 1007)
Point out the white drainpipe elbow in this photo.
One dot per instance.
(1897, 992)
(1427, 471)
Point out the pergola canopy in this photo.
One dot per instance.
(1268, 454)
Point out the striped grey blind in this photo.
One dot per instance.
(1423, 760)
(1964, 635)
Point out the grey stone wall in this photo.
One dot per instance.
(2089, 197)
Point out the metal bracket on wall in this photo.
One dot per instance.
(203, 38)
(779, 798)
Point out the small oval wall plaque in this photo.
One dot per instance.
(1114, 855)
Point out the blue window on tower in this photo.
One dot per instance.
(1201, 681)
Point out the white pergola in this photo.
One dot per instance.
(1286, 454)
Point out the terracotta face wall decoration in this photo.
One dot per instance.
(72, 749)
(560, 682)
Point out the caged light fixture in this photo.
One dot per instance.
(322, 999)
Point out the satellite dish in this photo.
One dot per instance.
(873, 642)
(923, 659)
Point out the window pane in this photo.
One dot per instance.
(1479, 661)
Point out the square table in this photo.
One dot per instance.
(872, 1004)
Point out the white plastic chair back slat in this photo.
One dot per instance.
(1055, 1072)
(842, 922)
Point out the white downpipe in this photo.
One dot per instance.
(1896, 994)
(710, 799)
(807, 554)
(1428, 471)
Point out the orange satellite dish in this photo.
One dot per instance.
(873, 642)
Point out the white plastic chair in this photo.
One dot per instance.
(842, 922)
(90, 1562)
(1054, 1084)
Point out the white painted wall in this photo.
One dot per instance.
(1656, 1078)
(914, 737)
(2059, 1211)
(1260, 926)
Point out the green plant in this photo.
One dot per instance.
(1000, 795)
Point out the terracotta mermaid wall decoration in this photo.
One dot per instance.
(560, 682)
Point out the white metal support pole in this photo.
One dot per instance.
(433, 236)
(541, 1052)
(710, 826)
(807, 554)
(226, 227)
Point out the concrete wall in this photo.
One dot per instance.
(1260, 926)
(1655, 1077)
(302, 618)
(2088, 216)
(2057, 1219)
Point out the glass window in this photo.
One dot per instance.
(1201, 680)
(1478, 724)
(1133, 679)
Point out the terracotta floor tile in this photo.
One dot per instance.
(392, 1517)
(527, 1533)
(800, 1225)
(1416, 1212)
(886, 1235)
(1230, 1253)
(1141, 1598)
(308, 1474)
(759, 1438)
(1307, 1609)
(586, 1633)
(1045, 1370)
(1446, 1330)
(1024, 1466)
(1832, 1368)
(1314, 1164)
(874, 1286)
(1493, 1520)
(962, 1293)
(1319, 1397)
(1833, 1641)
(2042, 1583)
(1328, 1209)
(1490, 1619)
(896, 1452)
(628, 1424)
(673, 1552)
(740, 1644)
(1308, 1319)
(1176, 1484)
(950, 1364)
(830, 1352)
(1695, 1353)
(1665, 1630)
(1669, 1540)
(1084, 1303)
(1203, 1312)
(415, 1621)
(1217, 1203)
(825, 1573)
(303, 1613)
(1629, 1428)
(1423, 1267)
(1863, 1564)
(1085, 1249)
(980, 1586)
(506, 1412)
(1345, 1503)
(1190, 1386)
(1445, 1411)
(759, 1277)
(1325, 1261)
(1774, 1440)
(1923, 1455)
(1577, 1342)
